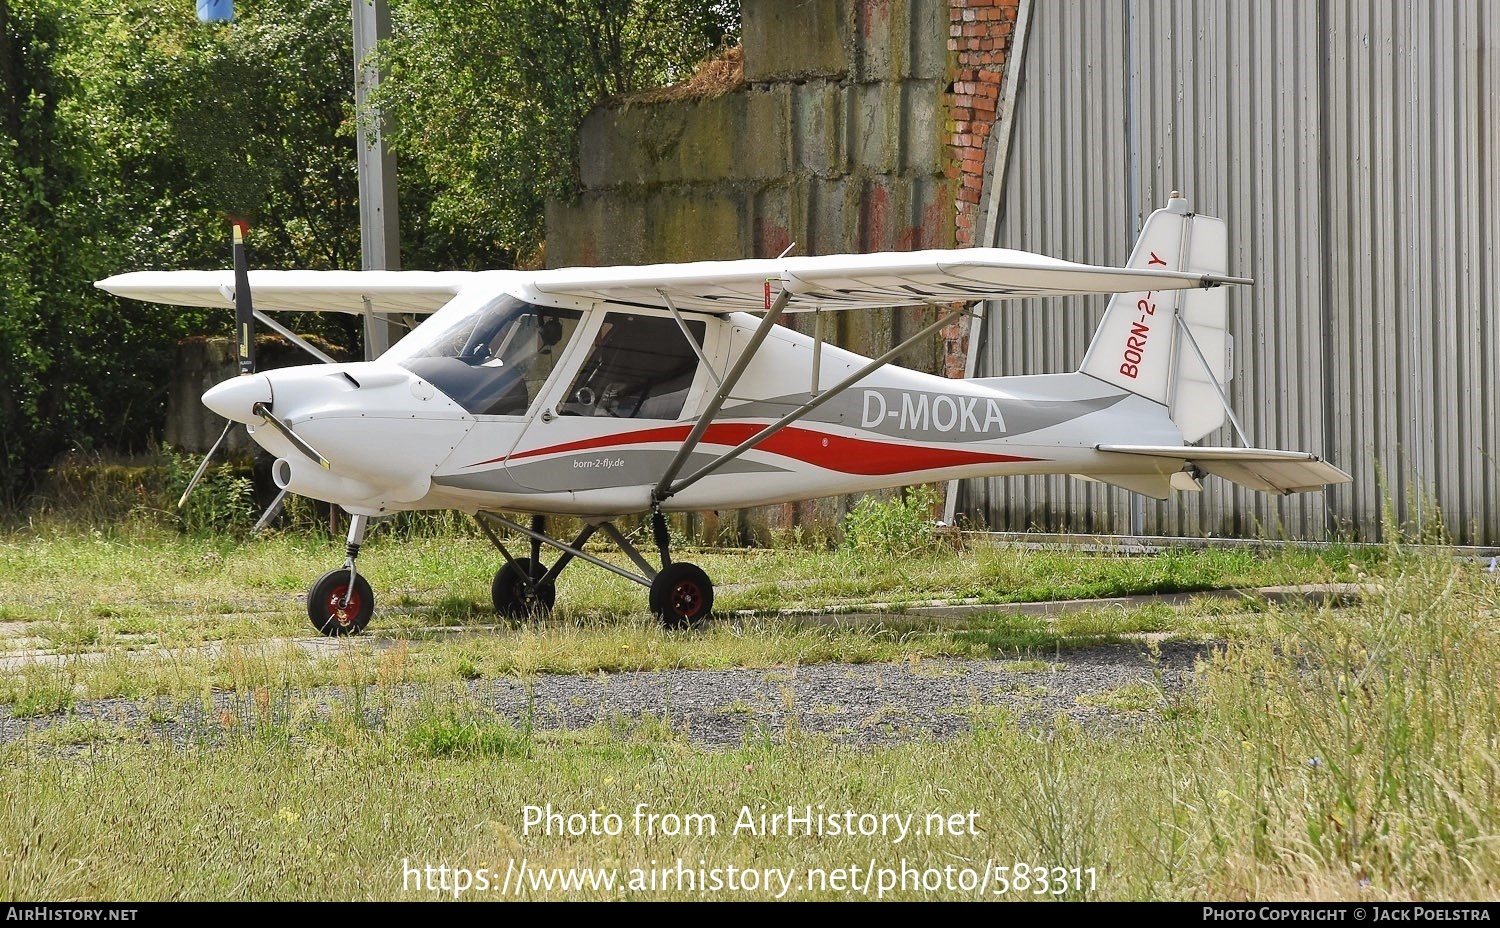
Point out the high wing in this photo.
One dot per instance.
(825, 282)
(860, 281)
(1283, 472)
(357, 292)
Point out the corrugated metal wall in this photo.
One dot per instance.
(1354, 148)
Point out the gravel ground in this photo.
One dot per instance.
(855, 703)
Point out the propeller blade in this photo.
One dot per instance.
(244, 312)
(271, 512)
(264, 411)
(198, 474)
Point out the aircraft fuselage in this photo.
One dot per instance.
(588, 422)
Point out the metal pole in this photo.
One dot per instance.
(997, 165)
(379, 214)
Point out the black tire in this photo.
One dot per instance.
(326, 609)
(515, 596)
(682, 595)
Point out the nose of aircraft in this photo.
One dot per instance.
(236, 398)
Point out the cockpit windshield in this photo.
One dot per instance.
(490, 358)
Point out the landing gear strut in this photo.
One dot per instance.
(680, 594)
(341, 602)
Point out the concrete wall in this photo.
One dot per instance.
(834, 142)
(191, 426)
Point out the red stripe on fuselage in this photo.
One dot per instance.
(830, 452)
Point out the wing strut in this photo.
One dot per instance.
(692, 342)
(293, 337)
(732, 377)
(798, 413)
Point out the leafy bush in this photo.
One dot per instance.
(900, 525)
(223, 500)
(102, 490)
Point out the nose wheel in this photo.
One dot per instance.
(341, 602)
(338, 608)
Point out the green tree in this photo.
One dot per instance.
(44, 320)
(485, 101)
(127, 139)
(130, 133)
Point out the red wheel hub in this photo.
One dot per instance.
(337, 610)
(686, 599)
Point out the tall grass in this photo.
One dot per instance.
(1338, 754)
(1321, 753)
(1360, 746)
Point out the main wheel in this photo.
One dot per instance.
(681, 595)
(326, 607)
(516, 596)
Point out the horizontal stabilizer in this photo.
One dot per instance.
(355, 292)
(1156, 486)
(1263, 469)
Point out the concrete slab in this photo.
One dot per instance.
(931, 612)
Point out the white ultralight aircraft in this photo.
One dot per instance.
(605, 392)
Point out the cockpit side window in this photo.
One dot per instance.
(640, 367)
(530, 347)
(495, 362)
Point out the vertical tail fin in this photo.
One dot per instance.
(1172, 348)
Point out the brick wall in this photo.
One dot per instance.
(979, 33)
